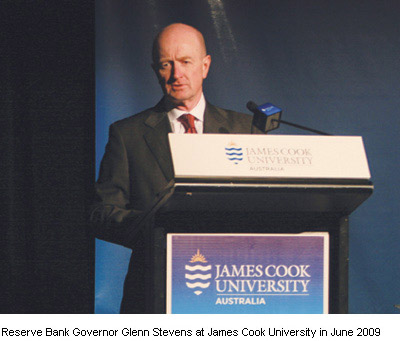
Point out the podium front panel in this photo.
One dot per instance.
(248, 273)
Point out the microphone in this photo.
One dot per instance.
(266, 116)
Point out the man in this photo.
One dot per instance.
(137, 165)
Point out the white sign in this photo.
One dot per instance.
(216, 156)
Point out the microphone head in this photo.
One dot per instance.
(251, 106)
(266, 116)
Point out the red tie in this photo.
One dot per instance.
(188, 122)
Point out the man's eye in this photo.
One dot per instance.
(164, 65)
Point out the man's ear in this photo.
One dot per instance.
(206, 65)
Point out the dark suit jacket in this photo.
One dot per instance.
(135, 169)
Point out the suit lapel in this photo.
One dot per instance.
(158, 127)
(215, 121)
(156, 137)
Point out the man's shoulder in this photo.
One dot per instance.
(135, 121)
(228, 113)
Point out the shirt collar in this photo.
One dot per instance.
(197, 111)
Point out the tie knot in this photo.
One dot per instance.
(187, 121)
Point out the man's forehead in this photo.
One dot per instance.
(179, 38)
(181, 51)
(179, 47)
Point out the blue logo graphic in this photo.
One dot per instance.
(269, 109)
(234, 153)
(197, 275)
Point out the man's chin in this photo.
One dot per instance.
(183, 102)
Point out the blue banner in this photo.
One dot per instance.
(243, 273)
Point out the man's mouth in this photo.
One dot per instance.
(178, 86)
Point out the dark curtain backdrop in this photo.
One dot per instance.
(331, 65)
(47, 156)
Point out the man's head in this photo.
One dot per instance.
(181, 63)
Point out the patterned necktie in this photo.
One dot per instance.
(187, 121)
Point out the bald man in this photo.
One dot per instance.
(181, 63)
(137, 165)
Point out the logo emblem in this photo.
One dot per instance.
(267, 108)
(234, 153)
(198, 274)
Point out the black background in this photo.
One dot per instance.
(47, 156)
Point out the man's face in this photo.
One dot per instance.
(181, 66)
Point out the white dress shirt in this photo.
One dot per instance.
(198, 112)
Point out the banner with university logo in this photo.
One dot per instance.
(248, 273)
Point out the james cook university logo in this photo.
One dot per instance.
(234, 153)
(197, 275)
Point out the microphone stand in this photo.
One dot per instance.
(301, 127)
(264, 122)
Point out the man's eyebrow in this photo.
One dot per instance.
(185, 57)
(164, 60)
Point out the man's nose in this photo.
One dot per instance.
(176, 71)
